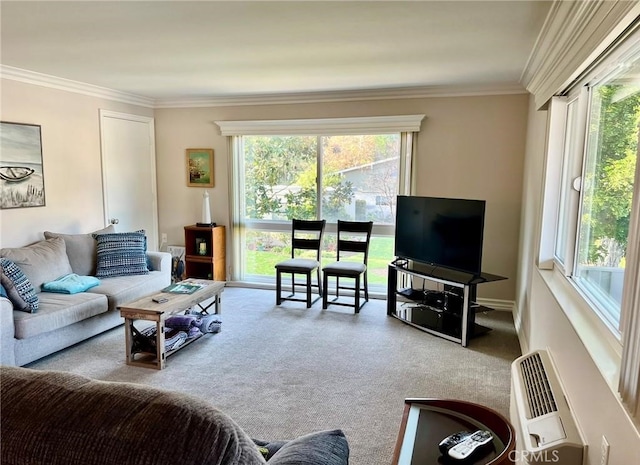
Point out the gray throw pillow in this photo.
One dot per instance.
(81, 249)
(41, 262)
(321, 448)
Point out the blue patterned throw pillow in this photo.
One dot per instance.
(18, 287)
(121, 254)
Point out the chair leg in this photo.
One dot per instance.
(325, 296)
(320, 290)
(308, 289)
(278, 287)
(337, 286)
(366, 288)
(357, 294)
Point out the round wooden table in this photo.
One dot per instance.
(426, 422)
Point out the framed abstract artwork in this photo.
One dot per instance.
(200, 167)
(21, 173)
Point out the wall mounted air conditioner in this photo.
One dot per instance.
(546, 430)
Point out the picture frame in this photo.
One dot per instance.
(21, 168)
(200, 168)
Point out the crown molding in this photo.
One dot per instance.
(343, 96)
(45, 80)
(53, 82)
(573, 36)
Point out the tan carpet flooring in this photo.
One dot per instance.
(283, 371)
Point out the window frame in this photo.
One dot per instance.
(615, 352)
(284, 226)
(558, 159)
(406, 125)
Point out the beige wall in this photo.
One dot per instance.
(468, 147)
(71, 160)
(542, 324)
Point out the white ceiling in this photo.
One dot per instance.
(202, 49)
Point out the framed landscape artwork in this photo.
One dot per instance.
(21, 174)
(200, 167)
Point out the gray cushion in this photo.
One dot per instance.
(298, 264)
(123, 289)
(41, 262)
(345, 268)
(81, 249)
(58, 311)
(320, 448)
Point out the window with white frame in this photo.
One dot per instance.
(350, 169)
(599, 162)
(316, 177)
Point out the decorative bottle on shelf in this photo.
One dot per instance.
(206, 211)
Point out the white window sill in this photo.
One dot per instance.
(601, 344)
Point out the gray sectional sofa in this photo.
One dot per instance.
(63, 319)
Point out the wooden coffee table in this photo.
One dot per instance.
(148, 310)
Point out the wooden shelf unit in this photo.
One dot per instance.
(211, 264)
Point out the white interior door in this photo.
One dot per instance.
(129, 173)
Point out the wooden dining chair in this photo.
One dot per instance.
(306, 236)
(353, 240)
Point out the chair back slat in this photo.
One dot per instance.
(353, 246)
(308, 225)
(306, 244)
(360, 229)
(311, 232)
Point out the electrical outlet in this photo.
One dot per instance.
(163, 238)
(604, 451)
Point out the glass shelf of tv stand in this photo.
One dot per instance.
(445, 274)
(449, 313)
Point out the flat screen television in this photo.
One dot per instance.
(440, 232)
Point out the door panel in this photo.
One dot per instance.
(129, 173)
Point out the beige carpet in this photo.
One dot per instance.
(280, 372)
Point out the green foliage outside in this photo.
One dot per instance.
(613, 138)
(280, 179)
(281, 184)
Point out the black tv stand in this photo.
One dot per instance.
(449, 311)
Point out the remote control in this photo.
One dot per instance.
(159, 300)
(453, 439)
(470, 445)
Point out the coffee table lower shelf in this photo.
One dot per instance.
(147, 310)
(150, 359)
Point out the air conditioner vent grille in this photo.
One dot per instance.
(539, 395)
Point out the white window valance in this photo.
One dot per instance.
(322, 126)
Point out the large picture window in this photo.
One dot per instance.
(347, 177)
(333, 168)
